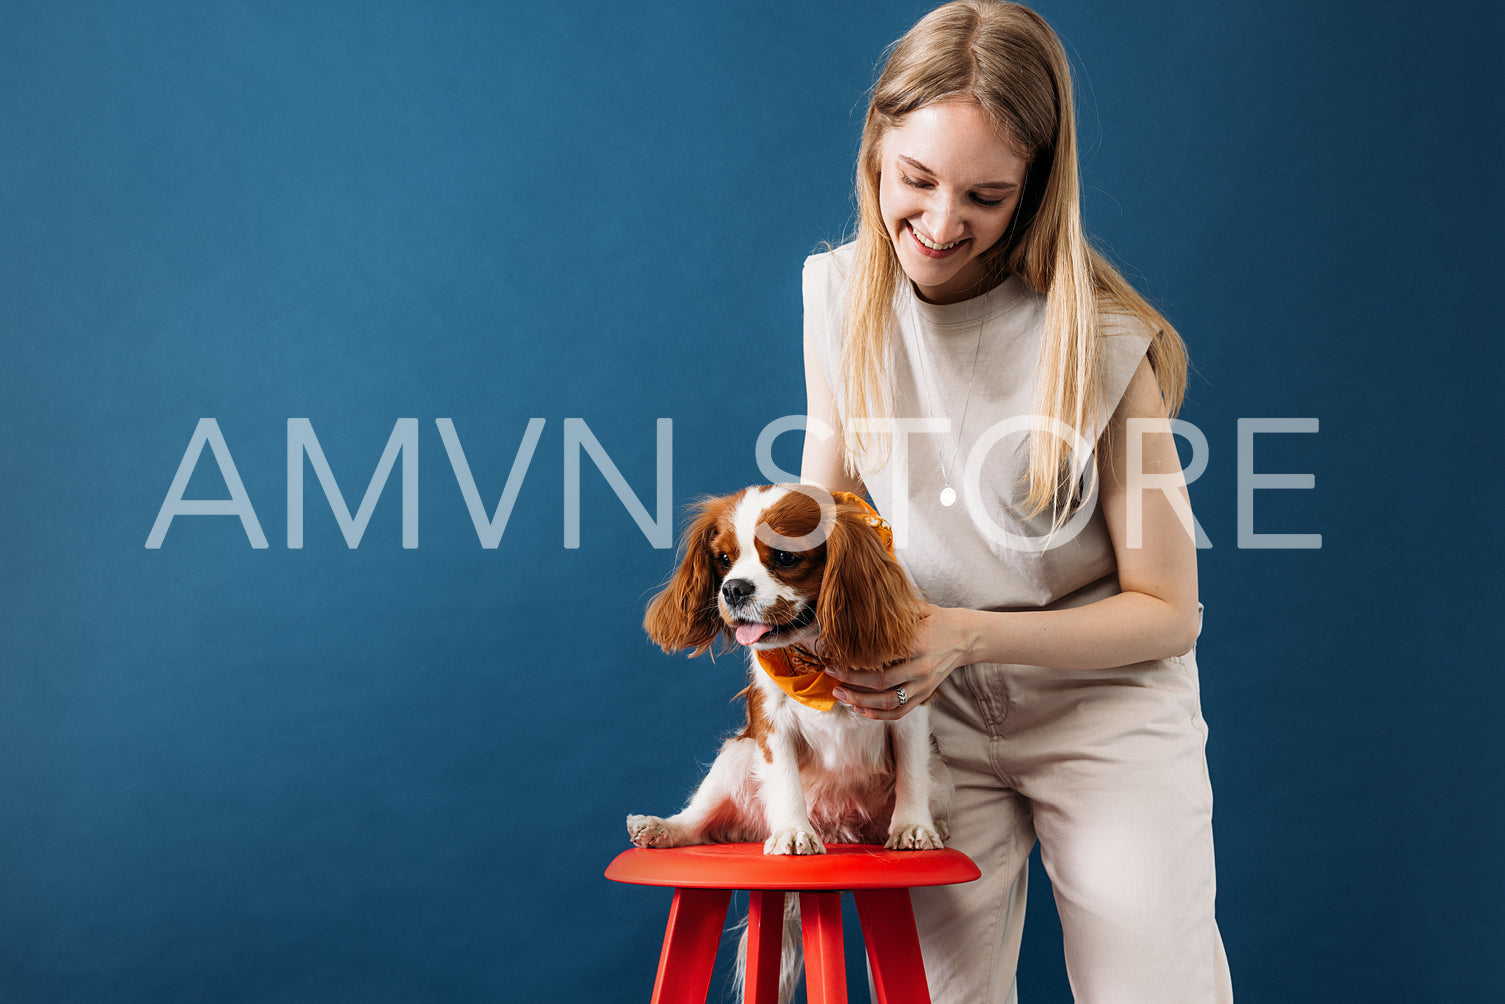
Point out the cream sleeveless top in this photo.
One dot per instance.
(963, 401)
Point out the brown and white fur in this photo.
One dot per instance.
(796, 778)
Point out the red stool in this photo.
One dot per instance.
(704, 876)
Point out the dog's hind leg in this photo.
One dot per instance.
(717, 811)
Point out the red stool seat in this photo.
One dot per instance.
(704, 876)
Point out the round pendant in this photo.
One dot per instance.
(948, 496)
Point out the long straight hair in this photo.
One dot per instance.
(1006, 59)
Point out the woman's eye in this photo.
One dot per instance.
(784, 559)
(925, 186)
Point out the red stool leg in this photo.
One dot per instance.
(696, 920)
(825, 961)
(893, 945)
(765, 946)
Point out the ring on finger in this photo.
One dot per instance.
(899, 693)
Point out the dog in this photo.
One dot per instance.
(799, 576)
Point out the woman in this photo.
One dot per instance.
(1000, 392)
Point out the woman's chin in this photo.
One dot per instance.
(948, 284)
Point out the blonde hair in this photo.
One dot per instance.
(1007, 60)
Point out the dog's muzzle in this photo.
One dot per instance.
(736, 592)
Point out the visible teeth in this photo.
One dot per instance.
(931, 244)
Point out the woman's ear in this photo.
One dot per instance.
(868, 610)
(685, 614)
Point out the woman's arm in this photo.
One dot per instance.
(823, 461)
(1153, 617)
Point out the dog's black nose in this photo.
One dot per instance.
(736, 591)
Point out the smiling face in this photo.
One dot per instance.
(949, 184)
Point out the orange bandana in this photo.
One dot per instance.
(800, 675)
(796, 670)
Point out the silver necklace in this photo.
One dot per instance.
(948, 493)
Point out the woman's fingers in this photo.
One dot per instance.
(873, 694)
(869, 679)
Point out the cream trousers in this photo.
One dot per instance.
(1107, 769)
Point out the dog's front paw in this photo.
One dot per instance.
(914, 837)
(651, 831)
(793, 840)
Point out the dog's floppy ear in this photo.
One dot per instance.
(868, 609)
(685, 615)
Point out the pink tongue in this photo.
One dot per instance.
(749, 633)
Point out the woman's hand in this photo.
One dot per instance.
(944, 642)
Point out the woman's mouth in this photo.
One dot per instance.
(933, 249)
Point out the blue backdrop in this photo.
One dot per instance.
(381, 773)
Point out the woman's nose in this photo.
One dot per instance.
(944, 219)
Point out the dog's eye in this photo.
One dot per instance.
(724, 560)
(785, 559)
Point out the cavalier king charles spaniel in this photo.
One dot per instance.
(800, 577)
